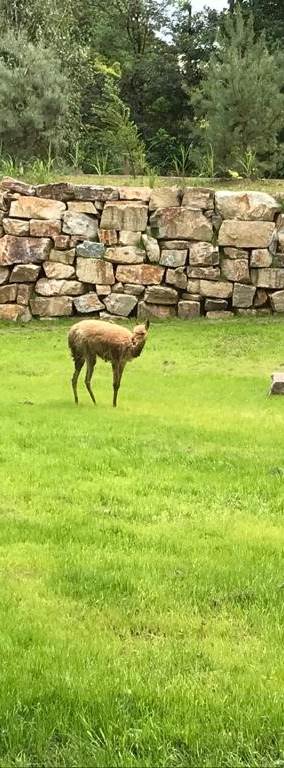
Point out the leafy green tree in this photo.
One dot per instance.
(40, 19)
(268, 17)
(194, 36)
(34, 112)
(153, 90)
(140, 20)
(151, 79)
(93, 34)
(110, 136)
(161, 149)
(239, 103)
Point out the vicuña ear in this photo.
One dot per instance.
(147, 324)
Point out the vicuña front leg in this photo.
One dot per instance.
(89, 372)
(117, 374)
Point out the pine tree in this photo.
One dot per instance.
(34, 98)
(268, 17)
(239, 103)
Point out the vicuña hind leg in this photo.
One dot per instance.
(78, 367)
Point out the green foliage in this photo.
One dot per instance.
(153, 177)
(151, 80)
(76, 156)
(154, 55)
(33, 111)
(35, 170)
(239, 102)
(153, 90)
(182, 161)
(111, 136)
(160, 150)
(248, 164)
(101, 163)
(123, 139)
(139, 21)
(268, 17)
(41, 171)
(9, 166)
(207, 164)
(194, 36)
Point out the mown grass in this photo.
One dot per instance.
(141, 557)
(272, 186)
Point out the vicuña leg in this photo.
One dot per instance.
(79, 362)
(117, 368)
(91, 362)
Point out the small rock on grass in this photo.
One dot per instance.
(277, 383)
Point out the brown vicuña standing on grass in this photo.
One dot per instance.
(90, 339)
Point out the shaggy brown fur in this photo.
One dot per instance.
(90, 339)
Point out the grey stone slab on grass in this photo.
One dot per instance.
(277, 383)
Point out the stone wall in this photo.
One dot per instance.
(116, 252)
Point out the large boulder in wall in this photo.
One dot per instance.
(246, 234)
(249, 206)
(37, 208)
(57, 306)
(181, 223)
(123, 215)
(24, 250)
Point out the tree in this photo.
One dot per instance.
(40, 19)
(34, 113)
(194, 36)
(155, 75)
(151, 82)
(153, 90)
(141, 20)
(111, 137)
(268, 17)
(239, 103)
(71, 29)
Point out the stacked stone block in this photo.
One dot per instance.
(118, 252)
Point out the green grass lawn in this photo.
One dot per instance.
(272, 186)
(141, 609)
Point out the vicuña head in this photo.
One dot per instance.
(139, 336)
(90, 339)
